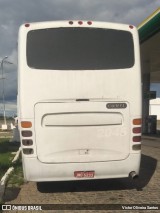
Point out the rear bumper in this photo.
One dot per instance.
(34, 170)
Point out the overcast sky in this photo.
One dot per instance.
(13, 13)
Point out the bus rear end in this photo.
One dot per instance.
(79, 100)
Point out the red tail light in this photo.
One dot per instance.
(89, 23)
(80, 22)
(27, 25)
(71, 22)
(137, 139)
(26, 133)
(136, 130)
(131, 26)
(27, 142)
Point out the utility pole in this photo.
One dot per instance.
(3, 89)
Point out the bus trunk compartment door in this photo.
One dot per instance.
(65, 130)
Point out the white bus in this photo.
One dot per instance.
(79, 100)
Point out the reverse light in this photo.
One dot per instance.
(26, 124)
(136, 147)
(27, 151)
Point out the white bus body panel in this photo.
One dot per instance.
(34, 170)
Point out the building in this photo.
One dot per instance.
(154, 107)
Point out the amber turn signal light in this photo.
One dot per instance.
(26, 124)
(137, 121)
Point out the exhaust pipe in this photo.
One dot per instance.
(133, 175)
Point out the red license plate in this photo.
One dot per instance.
(84, 174)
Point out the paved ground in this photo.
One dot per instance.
(119, 191)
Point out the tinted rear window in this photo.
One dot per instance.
(79, 49)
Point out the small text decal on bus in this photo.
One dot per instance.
(116, 105)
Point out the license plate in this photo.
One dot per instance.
(84, 174)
